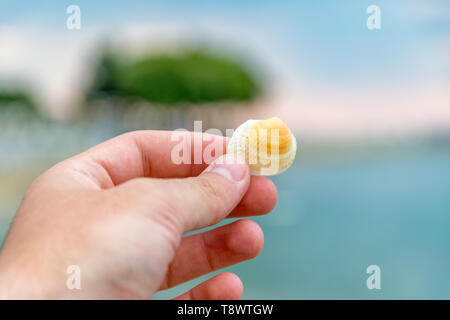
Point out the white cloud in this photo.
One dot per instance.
(55, 63)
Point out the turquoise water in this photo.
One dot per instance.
(394, 213)
(334, 220)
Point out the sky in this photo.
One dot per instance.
(316, 53)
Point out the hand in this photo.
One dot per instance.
(119, 210)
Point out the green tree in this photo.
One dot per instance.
(191, 76)
(17, 100)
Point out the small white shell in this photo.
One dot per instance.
(251, 143)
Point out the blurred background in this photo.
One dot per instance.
(370, 109)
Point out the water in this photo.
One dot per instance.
(393, 213)
(334, 220)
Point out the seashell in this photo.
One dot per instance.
(268, 146)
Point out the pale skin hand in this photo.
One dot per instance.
(119, 211)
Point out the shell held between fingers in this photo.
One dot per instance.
(268, 146)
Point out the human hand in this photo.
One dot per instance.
(119, 210)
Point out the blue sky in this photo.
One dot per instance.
(323, 41)
(328, 73)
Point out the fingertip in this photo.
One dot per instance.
(234, 285)
(271, 195)
(231, 168)
(247, 238)
(225, 286)
(260, 199)
(211, 196)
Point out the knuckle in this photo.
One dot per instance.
(210, 189)
(213, 194)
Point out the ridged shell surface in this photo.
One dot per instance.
(268, 146)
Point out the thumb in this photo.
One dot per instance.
(208, 198)
(191, 203)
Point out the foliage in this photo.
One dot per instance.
(192, 76)
(17, 99)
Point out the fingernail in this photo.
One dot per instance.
(229, 167)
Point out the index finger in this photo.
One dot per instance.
(156, 154)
